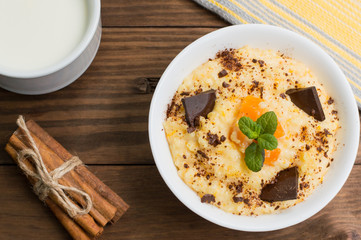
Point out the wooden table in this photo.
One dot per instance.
(102, 117)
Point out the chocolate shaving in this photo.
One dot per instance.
(330, 101)
(225, 85)
(222, 73)
(202, 154)
(239, 188)
(184, 93)
(213, 139)
(326, 132)
(246, 201)
(208, 198)
(237, 199)
(170, 108)
(229, 60)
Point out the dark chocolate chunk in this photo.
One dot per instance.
(284, 186)
(254, 60)
(208, 198)
(198, 105)
(222, 73)
(307, 100)
(223, 138)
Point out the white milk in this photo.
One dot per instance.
(35, 34)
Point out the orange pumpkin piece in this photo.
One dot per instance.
(271, 156)
(250, 108)
(279, 131)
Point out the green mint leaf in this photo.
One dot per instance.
(254, 157)
(249, 128)
(268, 122)
(267, 141)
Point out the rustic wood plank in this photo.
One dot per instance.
(157, 13)
(155, 212)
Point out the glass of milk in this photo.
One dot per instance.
(46, 44)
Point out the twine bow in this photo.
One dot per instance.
(48, 181)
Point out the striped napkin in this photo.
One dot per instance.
(335, 25)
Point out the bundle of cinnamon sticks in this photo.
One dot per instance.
(107, 206)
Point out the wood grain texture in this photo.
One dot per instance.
(157, 13)
(157, 214)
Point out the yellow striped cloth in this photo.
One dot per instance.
(335, 25)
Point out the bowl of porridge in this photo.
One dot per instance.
(254, 127)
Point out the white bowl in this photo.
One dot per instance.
(265, 37)
(66, 71)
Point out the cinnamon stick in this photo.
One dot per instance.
(83, 172)
(85, 221)
(102, 210)
(73, 229)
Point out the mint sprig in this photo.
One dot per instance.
(249, 128)
(262, 131)
(268, 122)
(254, 157)
(267, 141)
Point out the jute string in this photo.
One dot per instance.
(47, 182)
